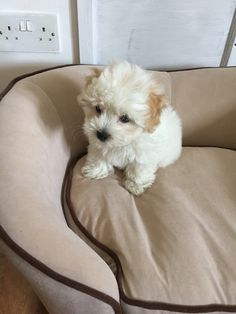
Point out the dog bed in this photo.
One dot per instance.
(173, 245)
(183, 253)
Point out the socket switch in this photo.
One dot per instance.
(29, 32)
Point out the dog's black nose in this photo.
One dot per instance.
(102, 135)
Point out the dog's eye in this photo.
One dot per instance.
(124, 118)
(98, 109)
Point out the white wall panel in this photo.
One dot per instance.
(160, 34)
(232, 58)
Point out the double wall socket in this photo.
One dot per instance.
(29, 32)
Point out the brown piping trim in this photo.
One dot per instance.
(135, 302)
(58, 277)
(21, 77)
(208, 146)
(82, 228)
(199, 68)
(71, 163)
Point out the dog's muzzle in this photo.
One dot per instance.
(102, 135)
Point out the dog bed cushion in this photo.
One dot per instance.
(176, 243)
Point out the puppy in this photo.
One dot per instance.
(129, 124)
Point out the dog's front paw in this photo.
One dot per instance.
(94, 172)
(133, 187)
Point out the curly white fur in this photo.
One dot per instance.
(149, 140)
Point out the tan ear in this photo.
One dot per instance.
(156, 103)
(96, 73)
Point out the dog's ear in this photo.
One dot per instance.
(96, 73)
(155, 103)
(82, 98)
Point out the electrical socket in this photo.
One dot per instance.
(29, 32)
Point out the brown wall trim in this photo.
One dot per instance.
(135, 302)
(58, 277)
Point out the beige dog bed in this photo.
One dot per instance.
(170, 250)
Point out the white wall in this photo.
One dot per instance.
(161, 34)
(14, 64)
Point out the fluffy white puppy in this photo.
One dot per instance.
(129, 125)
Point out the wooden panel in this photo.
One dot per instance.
(16, 296)
(161, 34)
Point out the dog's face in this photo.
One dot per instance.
(120, 103)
